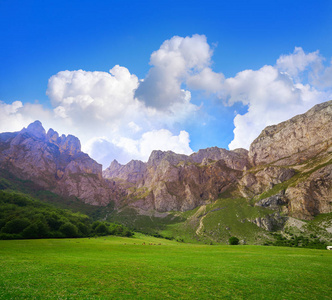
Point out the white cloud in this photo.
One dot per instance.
(97, 96)
(172, 64)
(299, 61)
(273, 94)
(164, 140)
(103, 104)
(15, 116)
(324, 79)
(104, 151)
(207, 80)
(161, 139)
(125, 149)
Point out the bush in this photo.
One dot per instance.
(233, 240)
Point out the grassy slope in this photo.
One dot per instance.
(12, 183)
(123, 268)
(219, 221)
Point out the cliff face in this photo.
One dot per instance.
(54, 162)
(296, 140)
(292, 159)
(302, 144)
(170, 181)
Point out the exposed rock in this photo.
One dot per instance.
(177, 181)
(295, 140)
(255, 183)
(55, 163)
(270, 222)
(132, 172)
(311, 196)
(274, 202)
(292, 222)
(236, 159)
(158, 156)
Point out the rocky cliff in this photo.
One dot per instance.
(292, 159)
(170, 181)
(55, 163)
(296, 140)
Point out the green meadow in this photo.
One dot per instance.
(145, 267)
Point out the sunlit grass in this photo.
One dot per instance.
(124, 268)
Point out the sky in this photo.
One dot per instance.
(129, 77)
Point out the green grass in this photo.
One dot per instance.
(218, 221)
(142, 223)
(10, 182)
(123, 268)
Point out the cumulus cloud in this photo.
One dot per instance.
(324, 78)
(161, 139)
(124, 149)
(273, 94)
(15, 116)
(175, 61)
(207, 80)
(299, 61)
(118, 116)
(94, 98)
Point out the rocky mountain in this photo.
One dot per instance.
(296, 140)
(170, 181)
(55, 163)
(285, 176)
(287, 169)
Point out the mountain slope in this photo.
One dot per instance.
(290, 162)
(55, 163)
(284, 178)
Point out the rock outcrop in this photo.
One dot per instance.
(55, 163)
(311, 196)
(179, 182)
(285, 158)
(296, 140)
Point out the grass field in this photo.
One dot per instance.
(123, 268)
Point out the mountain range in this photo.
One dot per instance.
(284, 181)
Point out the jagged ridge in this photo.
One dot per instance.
(292, 158)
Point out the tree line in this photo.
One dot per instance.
(24, 217)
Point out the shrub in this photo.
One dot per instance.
(233, 240)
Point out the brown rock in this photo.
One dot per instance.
(295, 140)
(55, 163)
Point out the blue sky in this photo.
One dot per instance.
(217, 66)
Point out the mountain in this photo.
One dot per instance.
(284, 181)
(55, 163)
(170, 181)
(289, 163)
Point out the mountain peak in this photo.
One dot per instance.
(36, 128)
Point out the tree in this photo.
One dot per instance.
(15, 226)
(233, 240)
(101, 229)
(69, 230)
